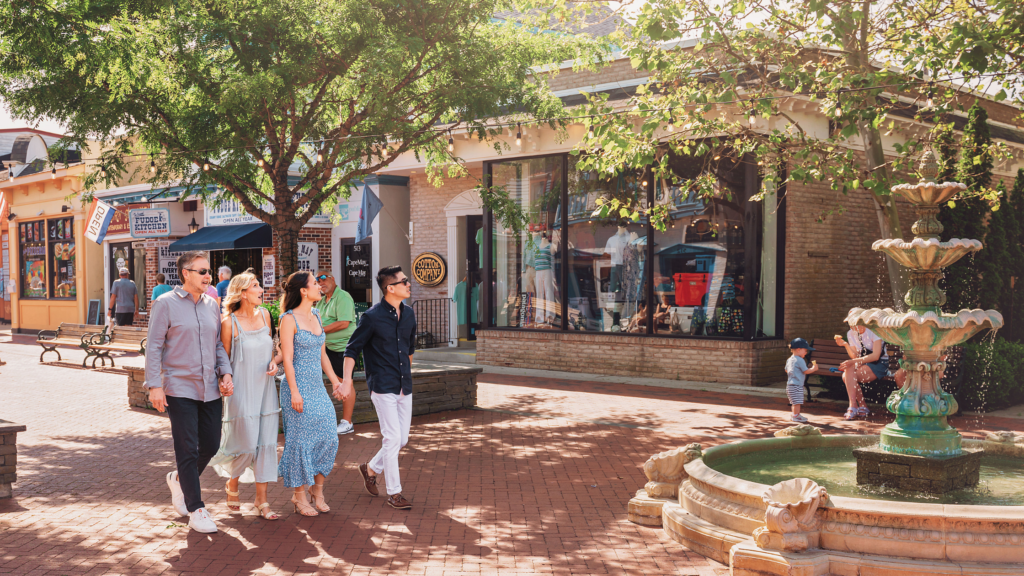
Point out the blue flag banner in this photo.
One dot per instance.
(367, 213)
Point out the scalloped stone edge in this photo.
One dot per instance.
(888, 317)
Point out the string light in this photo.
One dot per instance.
(206, 166)
(320, 156)
(53, 172)
(519, 135)
(930, 103)
(839, 103)
(451, 142)
(103, 171)
(753, 117)
(259, 162)
(152, 164)
(591, 131)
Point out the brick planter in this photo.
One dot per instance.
(434, 389)
(9, 456)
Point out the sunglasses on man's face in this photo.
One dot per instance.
(322, 277)
(402, 281)
(201, 271)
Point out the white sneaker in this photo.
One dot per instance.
(201, 521)
(345, 427)
(177, 496)
(798, 418)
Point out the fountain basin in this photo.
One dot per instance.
(716, 515)
(927, 254)
(929, 194)
(925, 331)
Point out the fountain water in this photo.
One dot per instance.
(711, 501)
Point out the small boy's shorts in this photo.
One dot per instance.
(795, 392)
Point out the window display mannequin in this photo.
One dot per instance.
(615, 247)
(545, 280)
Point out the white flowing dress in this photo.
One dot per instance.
(248, 445)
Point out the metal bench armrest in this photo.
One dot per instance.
(51, 333)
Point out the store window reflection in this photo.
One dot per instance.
(607, 257)
(699, 260)
(527, 267)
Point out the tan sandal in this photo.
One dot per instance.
(318, 500)
(265, 511)
(303, 507)
(233, 506)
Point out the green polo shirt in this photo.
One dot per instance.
(339, 308)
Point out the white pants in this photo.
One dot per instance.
(546, 305)
(394, 412)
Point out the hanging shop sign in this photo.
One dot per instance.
(229, 212)
(268, 271)
(150, 223)
(309, 256)
(429, 269)
(168, 263)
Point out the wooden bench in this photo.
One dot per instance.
(830, 355)
(119, 339)
(77, 335)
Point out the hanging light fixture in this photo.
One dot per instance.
(320, 156)
(259, 162)
(193, 226)
(206, 166)
(103, 170)
(152, 164)
(591, 131)
(931, 95)
(53, 172)
(519, 135)
(451, 142)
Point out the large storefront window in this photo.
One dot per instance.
(48, 258)
(712, 273)
(32, 239)
(62, 257)
(526, 268)
(607, 257)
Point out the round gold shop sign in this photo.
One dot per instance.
(429, 269)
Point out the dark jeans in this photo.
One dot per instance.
(124, 318)
(195, 428)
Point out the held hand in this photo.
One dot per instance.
(346, 384)
(336, 391)
(297, 403)
(158, 399)
(227, 387)
(272, 369)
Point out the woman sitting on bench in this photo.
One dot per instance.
(868, 362)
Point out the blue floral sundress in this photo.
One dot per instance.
(310, 438)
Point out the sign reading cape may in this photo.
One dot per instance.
(229, 212)
(150, 222)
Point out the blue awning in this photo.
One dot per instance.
(257, 235)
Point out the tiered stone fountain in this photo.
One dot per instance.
(920, 450)
(796, 527)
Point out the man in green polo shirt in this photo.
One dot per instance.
(338, 314)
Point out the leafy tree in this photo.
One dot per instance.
(966, 218)
(992, 262)
(237, 94)
(1013, 295)
(946, 149)
(732, 78)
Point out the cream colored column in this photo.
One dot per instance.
(453, 280)
(80, 285)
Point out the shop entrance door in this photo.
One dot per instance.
(474, 273)
(130, 255)
(238, 260)
(357, 275)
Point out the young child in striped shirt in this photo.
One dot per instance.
(797, 371)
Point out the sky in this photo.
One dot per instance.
(6, 121)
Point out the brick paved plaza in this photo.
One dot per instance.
(535, 481)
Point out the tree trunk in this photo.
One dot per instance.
(885, 208)
(287, 247)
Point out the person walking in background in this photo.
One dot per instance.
(124, 299)
(248, 447)
(161, 287)
(224, 275)
(184, 359)
(310, 440)
(386, 336)
(338, 313)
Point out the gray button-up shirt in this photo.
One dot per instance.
(184, 354)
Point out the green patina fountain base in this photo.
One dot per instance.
(919, 436)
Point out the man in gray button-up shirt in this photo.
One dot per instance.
(184, 358)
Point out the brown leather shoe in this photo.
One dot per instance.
(398, 502)
(369, 482)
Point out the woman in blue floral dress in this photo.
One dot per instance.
(310, 433)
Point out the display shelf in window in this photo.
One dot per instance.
(32, 243)
(62, 257)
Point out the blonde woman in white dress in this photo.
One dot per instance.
(248, 449)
